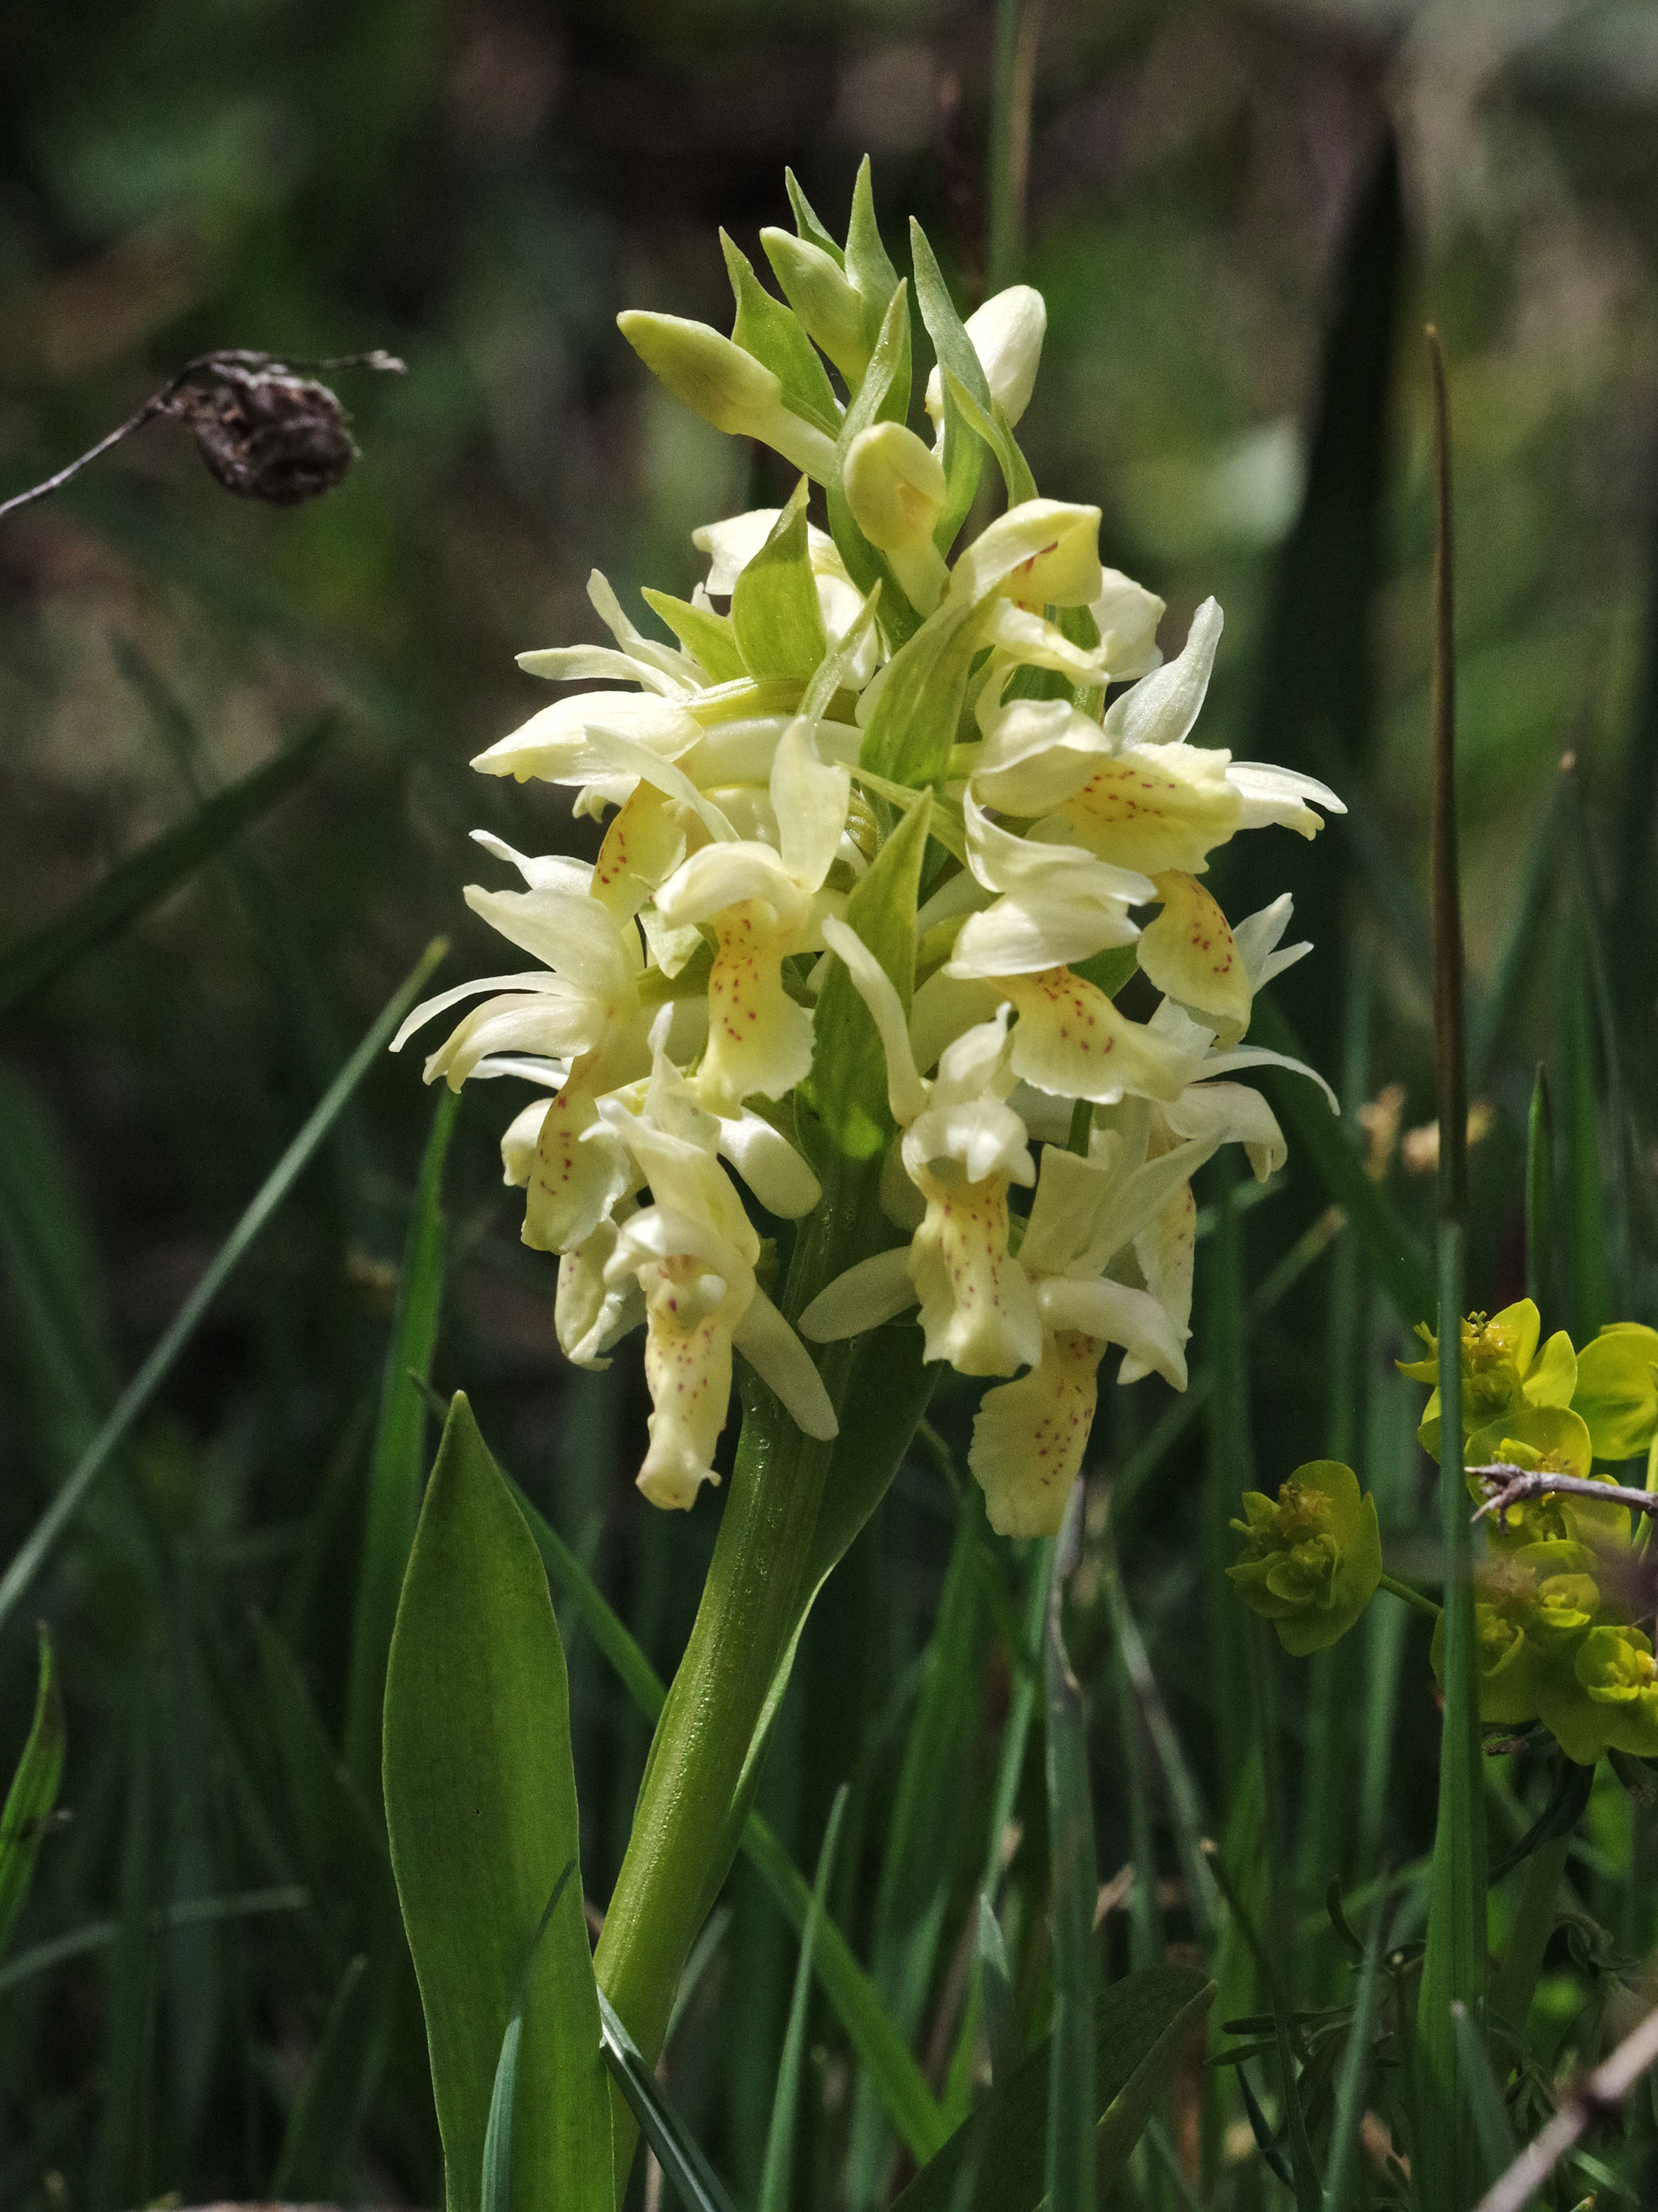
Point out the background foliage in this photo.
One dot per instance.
(1240, 217)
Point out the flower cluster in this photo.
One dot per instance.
(1312, 1562)
(1560, 1588)
(1557, 1595)
(891, 823)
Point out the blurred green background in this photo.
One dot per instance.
(1240, 217)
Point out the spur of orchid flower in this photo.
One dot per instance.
(890, 818)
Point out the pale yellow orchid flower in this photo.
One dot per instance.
(689, 1256)
(1029, 1436)
(963, 1146)
(764, 904)
(1131, 790)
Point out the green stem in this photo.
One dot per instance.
(684, 1834)
(1528, 1939)
(1412, 1597)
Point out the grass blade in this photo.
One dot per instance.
(995, 1981)
(1539, 1197)
(693, 2180)
(779, 2140)
(1493, 2129)
(66, 1366)
(899, 2083)
(141, 881)
(1580, 1134)
(1388, 1244)
(1453, 1966)
(1342, 2158)
(1074, 1885)
(99, 1934)
(919, 1860)
(333, 2097)
(497, 2185)
(397, 1469)
(1517, 961)
(996, 2160)
(32, 1794)
(37, 1547)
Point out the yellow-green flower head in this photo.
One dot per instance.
(1502, 1370)
(1608, 1701)
(1546, 1440)
(1311, 1561)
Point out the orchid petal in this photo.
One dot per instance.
(874, 1291)
(905, 1093)
(1162, 708)
(783, 1363)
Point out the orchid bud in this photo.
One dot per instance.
(896, 487)
(728, 388)
(1311, 1561)
(828, 305)
(1007, 334)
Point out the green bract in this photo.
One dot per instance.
(1311, 1562)
(1617, 1392)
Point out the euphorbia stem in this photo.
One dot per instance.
(683, 1835)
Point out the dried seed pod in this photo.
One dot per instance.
(267, 434)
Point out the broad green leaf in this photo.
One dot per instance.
(146, 877)
(920, 1862)
(687, 2172)
(780, 2136)
(32, 1555)
(915, 720)
(706, 635)
(886, 1395)
(881, 2052)
(1073, 1882)
(497, 2182)
(883, 396)
(32, 1794)
(397, 1466)
(848, 1081)
(334, 2094)
(778, 623)
(1388, 1245)
(768, 330)
(996, 2160)
(481, 1813)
